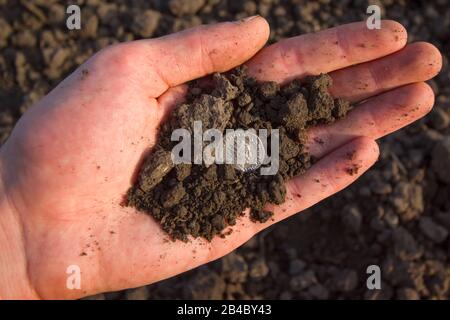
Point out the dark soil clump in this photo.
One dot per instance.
(202, 200)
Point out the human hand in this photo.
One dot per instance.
(72, 157)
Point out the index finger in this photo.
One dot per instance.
(326, 51)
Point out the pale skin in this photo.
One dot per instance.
(73, 155)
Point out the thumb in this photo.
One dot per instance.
(171, 60)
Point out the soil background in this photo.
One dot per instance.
(396, 216)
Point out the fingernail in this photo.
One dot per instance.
(244, 20)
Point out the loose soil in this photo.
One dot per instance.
(171, 193)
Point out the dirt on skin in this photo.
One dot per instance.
(171, 193)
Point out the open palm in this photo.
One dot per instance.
(72, 157)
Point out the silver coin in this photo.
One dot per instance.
(247, 157)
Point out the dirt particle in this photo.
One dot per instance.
(260, 215)
(318, 140)
(351, 155)
(353, 169)
(84, 74)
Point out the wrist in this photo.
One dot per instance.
(14, 280)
